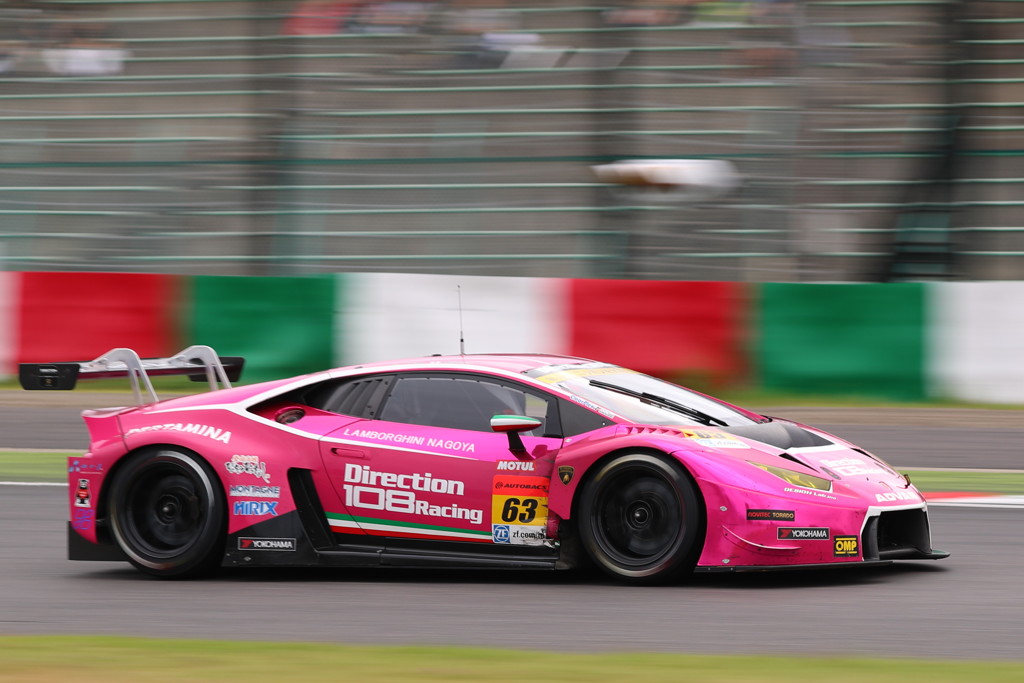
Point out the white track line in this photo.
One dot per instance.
(1013, 502)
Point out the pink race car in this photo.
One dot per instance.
(500, 461)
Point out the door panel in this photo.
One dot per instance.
(411, 481)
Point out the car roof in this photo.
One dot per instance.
(508, 362)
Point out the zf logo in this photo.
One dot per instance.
(846, 546)
(501, 534)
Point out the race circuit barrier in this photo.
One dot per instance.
(904, 341)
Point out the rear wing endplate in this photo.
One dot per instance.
(198, 362)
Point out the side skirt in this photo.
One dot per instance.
(725, 569)
(304, 539)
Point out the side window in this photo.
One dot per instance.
(458, 403)
(359, 396)
(578, 420)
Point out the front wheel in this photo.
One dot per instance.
(167, 514)
(641, 519)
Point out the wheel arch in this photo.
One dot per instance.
(580, 524)
(103, 505)
(182, 483)
(595, 466)
(568, 530)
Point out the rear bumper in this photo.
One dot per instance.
(81, 549)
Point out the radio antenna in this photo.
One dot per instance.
(462, 337)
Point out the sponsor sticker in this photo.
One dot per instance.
(77, 466)
(248, 464)
(254, 491)
(771, 515)
(82, 494)
(515, 466)
(894, 496)
(83, 519)
(852, 467)
(520, 502)
(209, 431)
(591, 405)
(431, 442)
(405, 493)
(845, 546)
(787, 533)
(255, 508)
(515, 534)
(713, 439)
(278, 544)
(809, 492)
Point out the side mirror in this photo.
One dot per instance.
(513, 425)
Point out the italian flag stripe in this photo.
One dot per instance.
(372, 524)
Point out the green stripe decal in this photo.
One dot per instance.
(404, 526)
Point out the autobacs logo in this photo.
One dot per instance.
(279, 544)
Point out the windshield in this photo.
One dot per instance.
(640, 398)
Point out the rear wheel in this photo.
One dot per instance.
(641, 519)
(167, 514)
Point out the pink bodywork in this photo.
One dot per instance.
(379, 478)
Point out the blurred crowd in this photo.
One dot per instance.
(60, 38)
(325, 17)
(41, 37)
(490, 33)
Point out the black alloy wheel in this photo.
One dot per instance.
(641, 519)
(167, 513)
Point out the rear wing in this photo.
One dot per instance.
(197, 362)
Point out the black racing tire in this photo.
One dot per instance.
(641, 519)
(167, 513)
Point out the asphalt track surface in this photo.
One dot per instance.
(969, 606)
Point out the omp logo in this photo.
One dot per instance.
(805, 534)
(266, 544)
(846, 546)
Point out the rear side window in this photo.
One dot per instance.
(360, 397)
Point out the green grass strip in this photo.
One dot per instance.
(52, 467)
(33, 466)
(114, 659)
(1003, 483)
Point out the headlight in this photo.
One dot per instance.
(808, 481)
